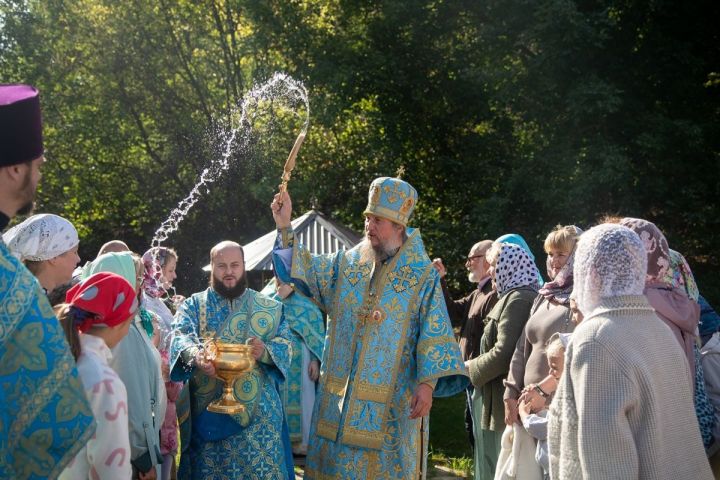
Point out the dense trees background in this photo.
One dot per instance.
(508, 115)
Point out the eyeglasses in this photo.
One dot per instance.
(473, 257)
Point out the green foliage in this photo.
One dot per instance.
(510, 115)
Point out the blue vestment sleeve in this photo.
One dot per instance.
(314, 276)
(185, 342)
(282, 262)
(438, 354)
(282, 265)
(46, 418)
(279, 348)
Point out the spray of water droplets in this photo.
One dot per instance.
(280, 89)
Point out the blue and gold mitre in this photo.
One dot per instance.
(391, 198)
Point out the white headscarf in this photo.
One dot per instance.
(610, 261)
(515, 268)
(41, 237)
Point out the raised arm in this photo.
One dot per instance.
(281, 207)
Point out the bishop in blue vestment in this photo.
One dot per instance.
(389, 345)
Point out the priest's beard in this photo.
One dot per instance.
(230, 293)
(26, 209)
(370, 254)
(29, 193)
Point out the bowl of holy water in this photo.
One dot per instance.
(231, 361)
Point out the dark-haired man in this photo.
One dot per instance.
(250, 444)
(45, 418)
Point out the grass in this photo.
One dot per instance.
(449, 445)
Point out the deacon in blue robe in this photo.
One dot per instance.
(388, 340)
(307, 323)
(251, 444)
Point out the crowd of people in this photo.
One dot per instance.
(608, 368)
(620, 314)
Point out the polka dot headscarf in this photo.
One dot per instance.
(514, 268)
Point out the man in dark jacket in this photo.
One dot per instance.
(467, 313)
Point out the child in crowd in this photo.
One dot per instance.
(96, 315)
(546, 387)
(534, 413)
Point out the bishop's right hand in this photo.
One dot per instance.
(281, 207)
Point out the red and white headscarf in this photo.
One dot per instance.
(108, 296)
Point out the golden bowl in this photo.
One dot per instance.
(232, 361)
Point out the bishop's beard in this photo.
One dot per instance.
(229, 293)
(370, 254)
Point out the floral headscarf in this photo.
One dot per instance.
(680, 276)
(154, 260)
(514, 268)
(656, 245)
